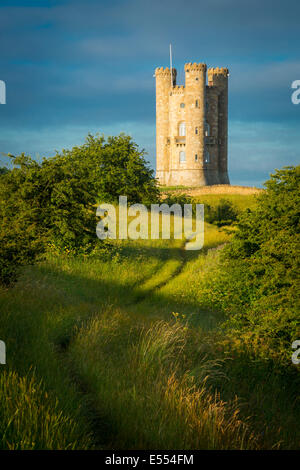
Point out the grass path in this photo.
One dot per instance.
(136, 313)
(124, 349)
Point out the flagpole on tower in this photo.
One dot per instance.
(171, 68)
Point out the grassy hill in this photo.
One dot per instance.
(126, 350)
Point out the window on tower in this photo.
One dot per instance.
(181, 130)
(182, 156)
(196, 157)
(207, 129)
(197, 103)
(182, 105)
(196, 130)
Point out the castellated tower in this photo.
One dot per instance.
(192, 126)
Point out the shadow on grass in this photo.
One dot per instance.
(134, 296)
(268, 391)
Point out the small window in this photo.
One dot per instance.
(197, 104)
(196, 130)
(207, 129)
(207, 157)
(197, 78)
(196, 158)
(182, 105)
(182, 156)
(181, 130)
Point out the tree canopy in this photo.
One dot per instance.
(261, 270)
(53, 202)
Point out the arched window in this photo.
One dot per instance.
(206, 157)
(182, 156)
(181, 129)
(207, 129)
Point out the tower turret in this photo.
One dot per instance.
(163, 87)
(218, 77)
(195, 83)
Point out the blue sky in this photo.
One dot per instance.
(78, 66)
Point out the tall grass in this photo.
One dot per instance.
(269, 391)
(31, 419)
(38, 320)
(127, 349)
(141, 384)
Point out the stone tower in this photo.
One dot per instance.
(192, 126)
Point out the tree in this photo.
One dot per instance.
(262, 262)
(222, 214)
(116, 167)
(3, 170)
(53, 202)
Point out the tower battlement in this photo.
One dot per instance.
(178, 89)
(164, 71)
(218, 71)
(190, 67)
(191, 126)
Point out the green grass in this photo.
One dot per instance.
(149, 397)
(126, 350)
(240, 201)
(31, 419)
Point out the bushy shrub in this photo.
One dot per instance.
(3, 170)
(120, 168)
(52, 203)
(220, 214)
(43, 203)
(259, 278)
(224, 213)
(16, 250)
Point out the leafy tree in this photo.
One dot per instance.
(261, 265)
(53, 202)
(3, 170)
(116, 167)
(223, 214)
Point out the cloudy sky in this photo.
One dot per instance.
(78, 66)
